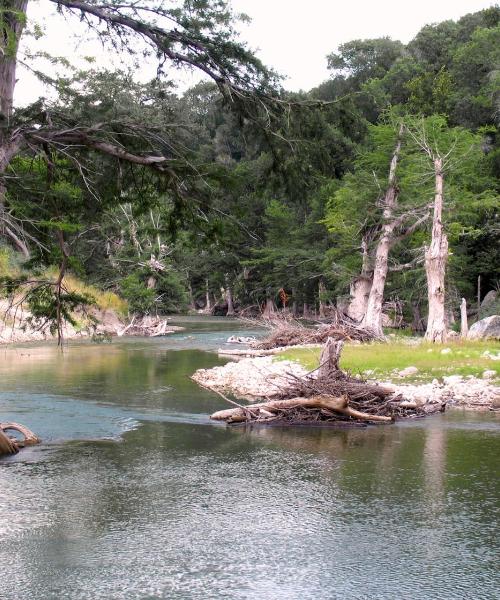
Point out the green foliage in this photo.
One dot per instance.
(50, 303)
(140, 298)
(254, 198)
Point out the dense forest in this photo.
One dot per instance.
(375, 193)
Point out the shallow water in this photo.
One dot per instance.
(136, 494)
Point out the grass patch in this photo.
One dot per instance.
(104, 300)
(386, 360)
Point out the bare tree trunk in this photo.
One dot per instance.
(192, 304)
(464, 326)
(306, 313)
(229, 300)
(208, 304)
(12, 24)
(373, 316)
(13, 18)
(436, 258)
(360, 286)
(295, 308)
(321, 293)
(269, 311)
(418, 322)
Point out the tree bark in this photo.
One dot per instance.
(436, 258)
(373, 316)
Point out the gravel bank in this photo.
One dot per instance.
(262, 377)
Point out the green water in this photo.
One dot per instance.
(136, 494)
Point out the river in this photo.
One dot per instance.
(135, 493)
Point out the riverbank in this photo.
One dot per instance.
(17, 325)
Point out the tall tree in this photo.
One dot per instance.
(445, 150)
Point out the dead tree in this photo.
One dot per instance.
(392, 231)
(436, 258)
(443, 150)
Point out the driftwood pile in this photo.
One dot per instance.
(290, 332)
(329, 397)
(10, 444)
(148, 326)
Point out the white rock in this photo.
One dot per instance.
(489, 374)
(487, 354)
(408, 371)
(446, 351)
(452, 379)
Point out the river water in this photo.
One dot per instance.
(136, 494)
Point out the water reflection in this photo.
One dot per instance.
(176, 507)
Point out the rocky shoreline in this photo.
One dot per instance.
(16, 326)
(258, 378)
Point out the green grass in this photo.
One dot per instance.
(386, 360)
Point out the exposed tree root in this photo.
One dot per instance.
(12, 445)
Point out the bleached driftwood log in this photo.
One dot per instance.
(269, 409)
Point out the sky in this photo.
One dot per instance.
(292, 36)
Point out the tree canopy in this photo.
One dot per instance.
(234, 186)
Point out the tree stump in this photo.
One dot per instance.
(330, 357)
